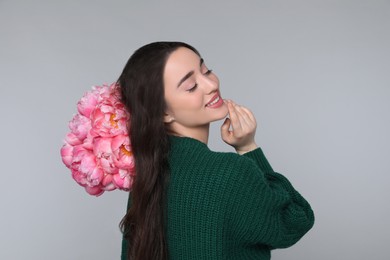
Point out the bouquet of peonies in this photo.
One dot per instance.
(97, 149)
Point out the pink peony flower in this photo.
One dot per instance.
(123, 156)
(104, 156)
(80, 126)
(88, 102)
(97, 149)
(85, 170)
(109, 119)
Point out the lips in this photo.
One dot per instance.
(215, 101)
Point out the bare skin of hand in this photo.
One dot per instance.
(243, 128)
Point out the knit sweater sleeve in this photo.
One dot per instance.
(266, 210)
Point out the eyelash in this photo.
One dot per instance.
(193, 88)
(208, 72)
(196, 84)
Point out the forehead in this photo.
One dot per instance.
(180, 62)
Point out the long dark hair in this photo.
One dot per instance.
(142, 91)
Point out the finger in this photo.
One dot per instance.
(243, 116)
(246, 116)
(247, 124)
(225, 133)
(235, 122)
(237, 110)
(249, 113)
(226, 125)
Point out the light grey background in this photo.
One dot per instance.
(315, 73)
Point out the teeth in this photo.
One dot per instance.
(214, 102)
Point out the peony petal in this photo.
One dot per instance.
(107, 180)
(107, 183)
(80, 126)
(95, 191)
(84, 159)
(72, 139)
(88, 102)
(123, 181)
(79, 177)
(67, 154)
(104, 156)
(118, 181)
(109, 187)
(88, 142)
(95, 177)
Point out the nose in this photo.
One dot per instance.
(210, 85)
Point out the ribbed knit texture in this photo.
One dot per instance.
(229, 206)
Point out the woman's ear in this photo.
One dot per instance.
(168, 118)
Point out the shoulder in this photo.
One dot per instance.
(189, 149)
(193, 156)
(234, 161)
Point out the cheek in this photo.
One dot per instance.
(194, 101)
(187, 102)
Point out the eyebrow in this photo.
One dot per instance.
(189, 74)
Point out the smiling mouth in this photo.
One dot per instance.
(215, 101)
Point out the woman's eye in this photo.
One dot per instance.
(193, 88)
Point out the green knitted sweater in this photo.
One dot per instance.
(228, 206)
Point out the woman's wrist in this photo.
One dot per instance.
(247, 148)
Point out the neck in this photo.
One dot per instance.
(200, 133)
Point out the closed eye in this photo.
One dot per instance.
(193, 88)
(203, 65)
(208, 72)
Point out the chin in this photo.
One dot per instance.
(222, 113)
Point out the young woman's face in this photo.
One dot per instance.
(191, 91)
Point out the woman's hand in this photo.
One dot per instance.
(243, 128)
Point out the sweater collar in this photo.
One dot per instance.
(187, 142)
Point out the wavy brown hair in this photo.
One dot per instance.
(142, 91)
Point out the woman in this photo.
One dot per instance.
(188, 202)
